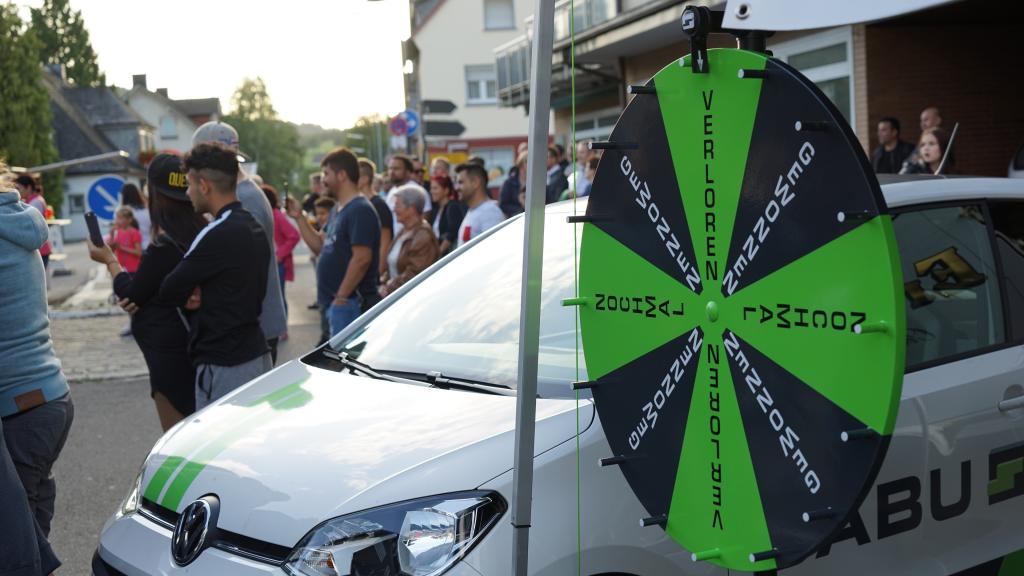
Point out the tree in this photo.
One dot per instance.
(25, 116)
(251, 101)
(371, 134)
(271, 142)
(66, 41)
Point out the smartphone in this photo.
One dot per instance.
(94, 229)
(284, 196)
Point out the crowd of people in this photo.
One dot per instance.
(896, 156)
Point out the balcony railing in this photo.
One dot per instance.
(512, 61)
(513, 58)
(588, 13)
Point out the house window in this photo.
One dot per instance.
(499, 15)
(826, 59)
(76, 204)
(596, 125)
(481, 84)
(168, 128)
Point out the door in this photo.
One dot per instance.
(935, 508)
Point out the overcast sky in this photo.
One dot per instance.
(325, 62)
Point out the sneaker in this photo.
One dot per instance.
(126, 332)
(313, 306)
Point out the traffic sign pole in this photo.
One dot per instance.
(529, 320)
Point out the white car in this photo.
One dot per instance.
(396, 456)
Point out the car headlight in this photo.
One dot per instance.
(422, 537)
(131, 501)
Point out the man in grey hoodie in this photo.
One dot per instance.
(273, 319)
(35, 405)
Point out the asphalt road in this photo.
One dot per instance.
(115, 426)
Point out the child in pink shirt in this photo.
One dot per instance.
(126, 240)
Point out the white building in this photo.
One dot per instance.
(89, 122)
(172, 119)
(451, 51)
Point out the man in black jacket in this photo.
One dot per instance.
(556, 181)
(891, 152)
(227, 262)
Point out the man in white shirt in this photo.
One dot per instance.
(400, 170)
(484, 213)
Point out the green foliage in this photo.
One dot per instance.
(66, 41)
(262, 136)
(25, 114)
(252, 102)
(370, 133)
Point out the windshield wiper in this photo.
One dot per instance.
(354, 365)
(439, 380)
(433, 378)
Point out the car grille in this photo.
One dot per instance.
(226, 540)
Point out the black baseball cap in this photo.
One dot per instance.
(167, 177)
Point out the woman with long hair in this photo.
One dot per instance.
(448, 213)
(160, 328)
(930, 150)
(132, 198)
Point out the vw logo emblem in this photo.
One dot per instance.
(190, 532)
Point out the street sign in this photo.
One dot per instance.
(404, 123)
(741, 310)
(104, 196)
(444, 128)
(438, 107)
(412, 122)
(398, 126)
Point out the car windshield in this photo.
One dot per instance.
(463, 319)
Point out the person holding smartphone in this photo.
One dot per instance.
(160, 328)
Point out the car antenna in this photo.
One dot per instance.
(949, 149)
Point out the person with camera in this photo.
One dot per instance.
(159, 326)
(346, 270)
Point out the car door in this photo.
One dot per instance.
(931, 510)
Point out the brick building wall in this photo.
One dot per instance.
(971, 72)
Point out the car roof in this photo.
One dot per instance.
(908, 190)
(903, 190)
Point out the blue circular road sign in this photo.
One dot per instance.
(104, 196)
(412, 122)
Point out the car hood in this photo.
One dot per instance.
(301, 445)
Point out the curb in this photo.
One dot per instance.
(77, 314)
(113, 377)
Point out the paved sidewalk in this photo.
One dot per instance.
(77, 268)
(85, 329)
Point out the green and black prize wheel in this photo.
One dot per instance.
(741, 310)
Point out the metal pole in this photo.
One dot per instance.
(77, 161)
(533, 248)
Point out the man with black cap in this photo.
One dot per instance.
(158, 325)
(273, 319)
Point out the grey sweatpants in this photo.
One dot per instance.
(214, 382)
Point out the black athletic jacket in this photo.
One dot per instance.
(228, 262)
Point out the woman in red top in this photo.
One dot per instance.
(31, 194)
(286, 237)
(126, 240)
